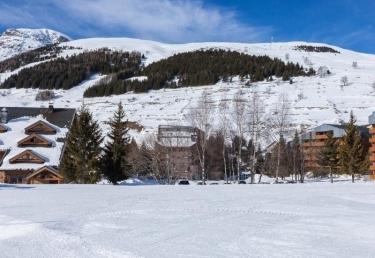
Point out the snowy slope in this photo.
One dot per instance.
(302, 220)
(16, 41)
(314, 100)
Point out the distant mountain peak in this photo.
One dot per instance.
(15, 41)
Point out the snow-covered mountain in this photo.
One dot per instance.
(314, 100)
(16, 41)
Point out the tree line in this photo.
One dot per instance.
(201, 67)
(32, 56)
(225, 149)
(318, 49)
(65, 73)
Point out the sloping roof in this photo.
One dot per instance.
(42, 123)
(17, 132)
(40, 137)
(31, 153)
(49, 168)
(61, 117)
(337, 129)
(3, 128)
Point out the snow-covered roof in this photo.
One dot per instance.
(16, 132)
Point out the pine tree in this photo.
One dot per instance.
(80, 159)
(328, 156)
(296, 156)
(351, 154)
(114, 162)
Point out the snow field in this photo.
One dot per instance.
(303, 220)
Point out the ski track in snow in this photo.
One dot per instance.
(310, 220)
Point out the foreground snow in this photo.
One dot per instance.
(310, 220)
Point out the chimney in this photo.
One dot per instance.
(50, 107)
(4, 115)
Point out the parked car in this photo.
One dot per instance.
(242, 182)
(183, 182)
(214, 183)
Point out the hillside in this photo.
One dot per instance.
(17, 41)
(314, 100)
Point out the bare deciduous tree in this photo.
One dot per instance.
(344, 81)
(280, 124)
(239, 114)
(256, 126)
(201, 117)
(224, 128)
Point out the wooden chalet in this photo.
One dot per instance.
(31, 140)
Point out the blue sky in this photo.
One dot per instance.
(346, 23)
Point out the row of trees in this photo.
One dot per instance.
(65, 73)
(248, 120)
(233, 140)
(319, 49)
(32, 56)
(85, 161)
(202, 67)
(245, 119)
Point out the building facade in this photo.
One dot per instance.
(314, 141)
(371, 128)
(31, 144)
(177, 146)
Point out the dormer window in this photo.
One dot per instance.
(27, 156)
(40, 127)
(34, 140)
(3, 128)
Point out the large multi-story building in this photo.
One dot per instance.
(314, 141)
(371, 128)
(31, 143)
(177, 146)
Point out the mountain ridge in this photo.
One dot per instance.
(314, 100)
(16, 41)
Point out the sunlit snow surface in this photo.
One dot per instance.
(310, 220)
(314, 100)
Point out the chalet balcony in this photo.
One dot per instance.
(321, 137)
(313, 144)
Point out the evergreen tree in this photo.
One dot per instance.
(259, 164)
(351, 154)
(80, 159)
(296, 156)
(114, 164)
(328, 156)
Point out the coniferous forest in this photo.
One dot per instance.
(32, 56)
(65, 73)
(203, 67)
